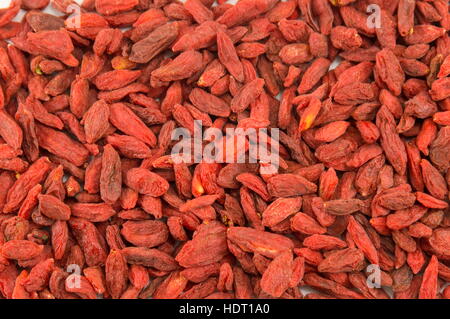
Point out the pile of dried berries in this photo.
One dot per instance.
(92, 203)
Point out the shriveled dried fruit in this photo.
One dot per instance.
(354, 107)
